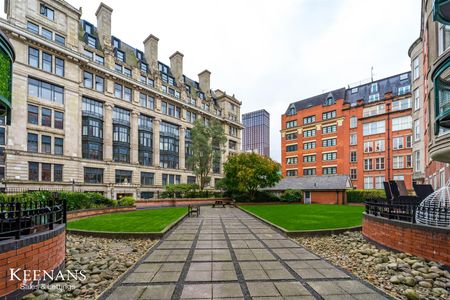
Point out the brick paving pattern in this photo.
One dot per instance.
(228, 254)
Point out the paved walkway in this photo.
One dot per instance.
(228, 254)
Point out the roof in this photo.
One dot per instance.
(385, 85)
(318, 100)
(311, 183)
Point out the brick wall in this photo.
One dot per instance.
(429, 242)
(97, 211)
(41, 251)
(177, 202)
(323, 197)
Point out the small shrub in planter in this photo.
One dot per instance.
(291, 196)
(126, 201)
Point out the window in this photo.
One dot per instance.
(32, 144)
(115, 42)
(127, 72)
(416, 71)
(291, 136)
(374, 88)
(99, 84)
(91, 41)
(45, 91)
(143, 67)
(33, 28)
(368, 146)
(417, 161)
(353, 157)
(127, 96)
(353, 174)
(368, 182)
(416, 99)
(402, 123)
(169, 145)
(401, 104)
(46, 172)
(291, 148)
(354, 90)
(329, 129)
(329, 170)
(191, 180)
(292, 160)
(33, 171)
(309, 172)
(291, 111)
(290, 173)
(47, 34)
(92, 107)
(291, 124)
(408, 161)
(307, 146)
(374, 97)
(47, 12)
(92, 129)
(379, 163)
(309, 158)
(46, 144)
(46, 117)
(309, 133)
(353, 139)
(373, 110)
(368, 164)
(33, 114)
(146, 101)
(147, 178)
(88, 54)
(310, 119)
(329, 142)
(93, 175)
(170, 179)
(404, 90)
(2, 142)
(329, 101)
(57, 173)
(88, 80)
(118, 88)
(379, 182)
(172, 110)
(59, 66)
(398, 162)
(59, 146)
(329, 115)
(417, 130)
(444, 38)
(408, 141)
(120, 55)
(374, 128)
(145, 147)
(404, 76)
(123, 176)
(353, 122)
(379, 145)
(190, 116)
(329, 156)
(47, 62)
(33, 57)
(99, 59)
(398, 142)
(399, 177)
(60, 39)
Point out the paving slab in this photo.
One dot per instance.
(228, 254)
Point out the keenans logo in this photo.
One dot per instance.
(27, 276)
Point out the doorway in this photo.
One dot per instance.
(307, 196)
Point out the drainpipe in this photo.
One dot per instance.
(388, 105)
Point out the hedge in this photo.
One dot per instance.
(291, 196)
(260, 196)
(187, 190)
(359, 196)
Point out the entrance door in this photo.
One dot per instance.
(307, 197)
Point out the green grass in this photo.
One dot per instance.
(149, 220)
(309, 217)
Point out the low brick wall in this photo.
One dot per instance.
(426, 241)
(177, 202)
(40, 251)
(83, 213)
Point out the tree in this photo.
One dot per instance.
(249, 172)
(207, 142)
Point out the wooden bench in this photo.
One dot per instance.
(219, 202)
(193, 209)
(231, 203)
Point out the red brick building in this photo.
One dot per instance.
(364, 132)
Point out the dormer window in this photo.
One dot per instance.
(139, 55)
(201, 95)
(330, 101)
(88, 28)
(404, 76)
(120, 55)
(188, 88)
(163, 68)
(116, 43)
(291, 110)
(354, 90)
(91, 41)
(374, 88)
(47, 12)
(144, 67)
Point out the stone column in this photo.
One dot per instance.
(134, 136)
(156, 124)
(182, 148)
(225, 154)
(108, 133)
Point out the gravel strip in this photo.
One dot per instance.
(103, 260)
(399, 274)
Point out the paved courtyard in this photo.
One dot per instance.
(228, 254)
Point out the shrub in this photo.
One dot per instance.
(126, 201)
(291, 196)
(260, 196)
(359, 196)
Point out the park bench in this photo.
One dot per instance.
(229, 202)
(193, 209)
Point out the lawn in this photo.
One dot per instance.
(309, 217)
(149, 220)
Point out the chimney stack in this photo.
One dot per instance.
(176, 65)
(204, 81)
(151, 51)
(103, 15)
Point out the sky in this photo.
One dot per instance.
(272, 53)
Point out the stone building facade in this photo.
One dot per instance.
(93, 113)
(363, 132)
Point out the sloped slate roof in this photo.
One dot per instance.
(311, 183)
(318, 100)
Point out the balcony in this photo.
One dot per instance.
(441, 11)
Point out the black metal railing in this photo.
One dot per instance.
(19, 216)
(20, 190)
(408, 210)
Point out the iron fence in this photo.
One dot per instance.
(22, 217)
